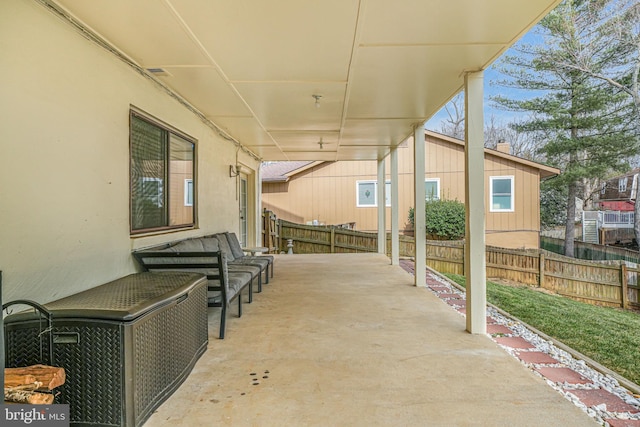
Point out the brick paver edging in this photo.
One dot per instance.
(604, 399)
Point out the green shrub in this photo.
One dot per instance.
(445, 219)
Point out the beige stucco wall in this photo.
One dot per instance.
(64, 162)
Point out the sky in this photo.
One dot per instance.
(491, 76)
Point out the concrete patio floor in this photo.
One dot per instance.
(347, 340)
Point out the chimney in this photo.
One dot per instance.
(503, 146)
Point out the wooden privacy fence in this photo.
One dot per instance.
(591, 251)
(320, 239)
(610, 283)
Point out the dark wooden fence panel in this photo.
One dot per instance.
(590, 251)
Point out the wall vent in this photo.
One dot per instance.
(158, 72)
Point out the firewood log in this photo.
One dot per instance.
(28, 397)
(14, 380)
(50, 376)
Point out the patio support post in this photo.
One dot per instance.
(474, 252)
(258, 209)
(395, 240)
(382, 209)
(420, 225)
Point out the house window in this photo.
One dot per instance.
(366, 191)
(432, 189)
(188, 192)
(162, 162)
(604, 188)
(501, 190)
(622, 184)
(368, 194)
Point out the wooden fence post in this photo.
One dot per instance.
(541, 268)
(278, 238)
(624, 286)
(464, 247)
(333, 240)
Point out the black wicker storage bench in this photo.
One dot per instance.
(125, 345)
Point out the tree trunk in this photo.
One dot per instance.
(636, 209)
(570, 228)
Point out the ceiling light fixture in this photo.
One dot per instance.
(317, 97)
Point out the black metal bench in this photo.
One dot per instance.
(224, 286)
(230, 245)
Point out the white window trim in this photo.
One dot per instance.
(387, 193)
(622, 185)
(437, 181)
(375, 193)
(513, 204)
(186, 192)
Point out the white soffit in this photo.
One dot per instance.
(251, 67)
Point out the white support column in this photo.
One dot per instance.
(419, 204)
(258, 207)
(395, 239)
(474, 252)
(382, 209)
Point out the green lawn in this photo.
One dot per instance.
(607, 335)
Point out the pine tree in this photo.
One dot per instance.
(578, 121)
(617, 61)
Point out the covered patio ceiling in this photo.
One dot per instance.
(378, 67)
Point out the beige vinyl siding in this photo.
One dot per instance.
(178, 212)
(327, 192)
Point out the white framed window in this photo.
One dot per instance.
(622, 184)
(604, 188)
(366, 194)
(188, 192)
(432, 189)
(501, 193)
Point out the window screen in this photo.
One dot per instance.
(432, 189)
(161, 161)
(502, 194)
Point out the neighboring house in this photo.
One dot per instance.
(612, 223)
(619, 193)
(345, 192)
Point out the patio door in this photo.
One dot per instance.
(243, 210)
